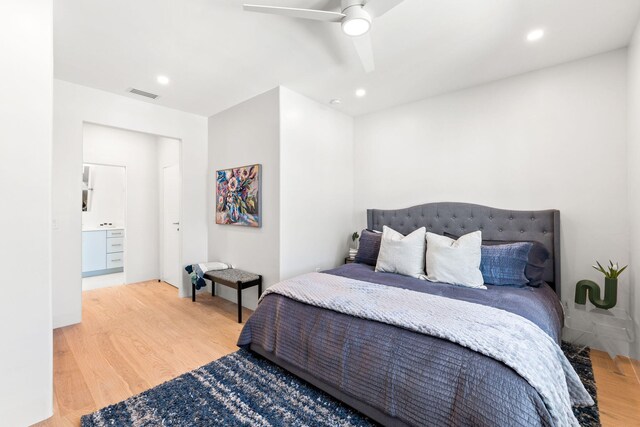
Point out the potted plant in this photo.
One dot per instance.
(611, 273)
(353, 250)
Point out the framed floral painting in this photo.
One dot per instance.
(238, 196)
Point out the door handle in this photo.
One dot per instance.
(176, 223)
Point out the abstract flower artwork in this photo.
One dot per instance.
(238, 196)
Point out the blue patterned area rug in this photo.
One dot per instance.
(580, 359)
(244, 389)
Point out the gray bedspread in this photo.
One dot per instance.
(414, 378)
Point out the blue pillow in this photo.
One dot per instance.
(504, 265)
(538, 256)
(368, 248)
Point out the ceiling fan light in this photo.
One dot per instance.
(356, 21)
(355, 27)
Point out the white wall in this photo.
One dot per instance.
(25, 170)
(634, 178)
(316, 185)
(554, 138)
(306, 152)
(138, 153)
(168, 153)
(74, 105)
(107, 196)
(245, 134)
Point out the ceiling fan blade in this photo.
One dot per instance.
(292, 12)
(365, 51)
(377, 8)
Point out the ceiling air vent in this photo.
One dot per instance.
(143, 93)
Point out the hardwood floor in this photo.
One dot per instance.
(133, 338)
(618, 394)
(137, 336)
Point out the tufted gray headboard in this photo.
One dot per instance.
(495, 224)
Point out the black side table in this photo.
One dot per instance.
(233, 278)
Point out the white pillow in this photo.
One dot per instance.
(402, 254)
(455, 261)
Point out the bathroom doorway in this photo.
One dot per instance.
(103, 225)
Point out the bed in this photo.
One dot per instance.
(397, 376)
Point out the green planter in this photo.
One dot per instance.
(587, 286)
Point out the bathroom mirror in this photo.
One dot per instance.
(86, 188)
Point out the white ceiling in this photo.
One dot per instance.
(217, 55)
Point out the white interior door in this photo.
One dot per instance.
(171, 225)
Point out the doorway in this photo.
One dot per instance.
(143, 242)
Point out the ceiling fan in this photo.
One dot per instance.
(355, 18)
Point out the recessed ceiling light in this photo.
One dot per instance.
(335, 101)
(360, 93)
(163, 80)
(535, 35)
